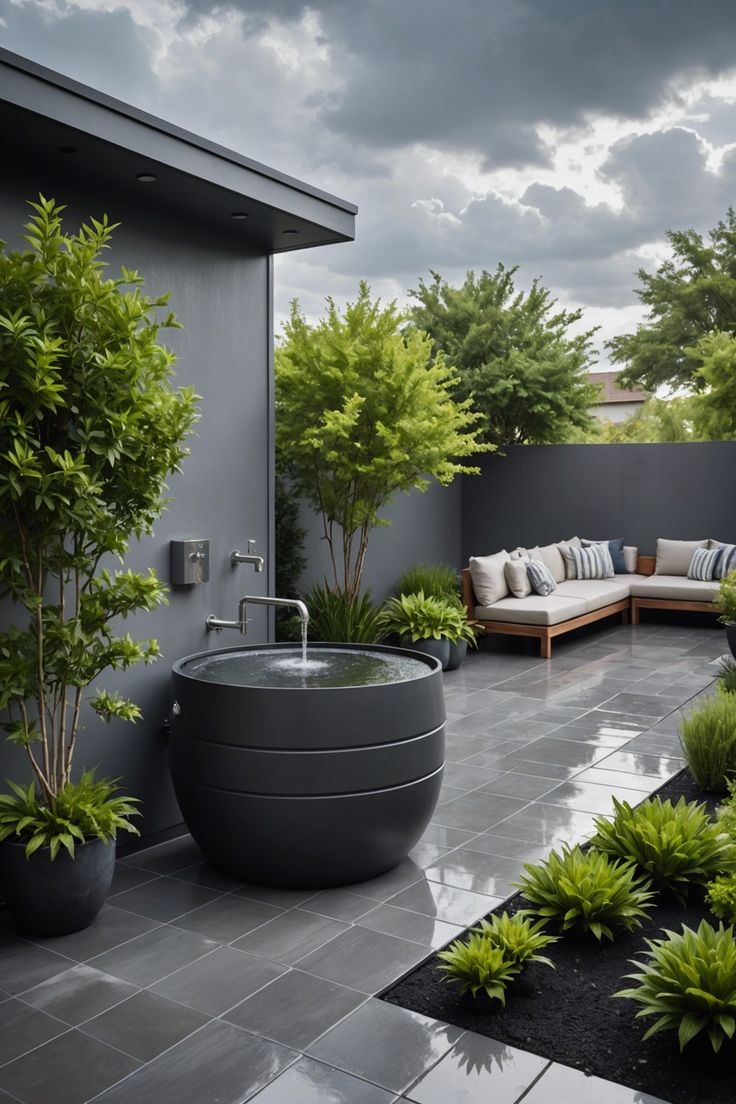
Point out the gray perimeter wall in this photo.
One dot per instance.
(220, 291)
(537, 494)
(424, 528)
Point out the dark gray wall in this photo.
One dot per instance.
(220, 291)
(424, 528)
(537, 494)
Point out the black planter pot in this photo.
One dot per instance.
(731, 636)
(458, 651)
(437, 649)
(59, 897)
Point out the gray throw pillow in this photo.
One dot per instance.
(565, 549)
(540, 578)
(517, 578)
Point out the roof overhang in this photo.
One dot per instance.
(41, 112)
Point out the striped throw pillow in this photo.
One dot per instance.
(592, 563)
(541, 578)
(704, 563)
(727, 561)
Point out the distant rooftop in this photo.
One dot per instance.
(611, 392)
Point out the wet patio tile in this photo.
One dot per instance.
(164, 899)
(23, 1028)
(227, 918)
(112, 927)
(560, 1084)
(290, 936)
(386, 1045)
(478, 1070)
(310, 1082)
(454, 906)
(78, 994)
(152, 956)
(548, 824)
(645, 783)
(590, 797)
(145, 1025)
(467, 869)
(562, 753)
(70, 1069)
(631, 761)
(23, 965)
(165, 858)
(522, 786)
(364, 960)
(477, 811)
(218, 982)
(414, 926)
(339, 904)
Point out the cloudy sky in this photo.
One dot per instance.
(565, 136)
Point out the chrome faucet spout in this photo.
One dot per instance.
(249, 557)
(243, 621)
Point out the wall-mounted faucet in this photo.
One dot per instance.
(237, 557)
(242, 622)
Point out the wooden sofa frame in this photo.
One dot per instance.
(627, 607)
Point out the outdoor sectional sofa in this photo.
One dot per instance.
(658, 582)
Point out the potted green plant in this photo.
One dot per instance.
(726, 602)
(459, 640)
(90, 427)
(425, 623)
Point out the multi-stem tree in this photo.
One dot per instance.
(90, 428)
(363, 412)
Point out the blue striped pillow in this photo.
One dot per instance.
(727, 562)
(704, 563)
(541, 578)
(592, 563)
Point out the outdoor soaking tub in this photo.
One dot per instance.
(309, 775)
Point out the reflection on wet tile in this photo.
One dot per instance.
(153, 955)
(548, 824)
(227, 918)
(218, 982)
(468, 869)
(23, 1028)
(563, 753)
(384, 1044)
(414, 926)
(362, 959)
(310, 1082)
(476, 811)
(645, 783)
(339, 904)
(560, 1084)
(641, 763)
(70, 1069)
(145, 1025)
(290, 936)
(455, 906)
(78, 994)
(522, 786)
(590, 797)
(478, 1070)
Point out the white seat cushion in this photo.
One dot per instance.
(597, 592)
(675, 587)
(534, 610)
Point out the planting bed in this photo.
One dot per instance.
(568, 1014)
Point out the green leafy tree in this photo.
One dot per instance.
(363, 413)
(655, 420)
(515, 355)
(290, 557)
(714, 409)
(90, 427)
(690, 295)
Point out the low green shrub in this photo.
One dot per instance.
(689, 982)
(335, 618)
(520, 938)
(726, 598)
(433, 580)
(586, 889)
(708, 738)
(721, 897)
(91, 808)
(726, 815)
(727, 677)
(673, 845)
(419, 617)
(475, 964)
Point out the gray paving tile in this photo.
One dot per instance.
(386, 1045)
(78, 994)
(590, 797)
(476, 811)
(446, 837)
(127, 877)
(70, 1069)
(290, 936)
(414, 926)
(364, 960)
(491, 843)
(339, 904)
(227, 918)
(553, 750)
(219, 1064)
(522, 786)
(547, 824)
(454, 906)
(279, 898)
(380, 889)
(152, 956)
(165, 858)
(23, 1028)
(644, 783)
(164, 899)
(218, 982)
(111, 928)
(310, 1082)
(295, 1009)
(204, 874)
(478, 1070)
(560, 1084)
(481, 873)
(424, 854)
(145, 1025)
(644, 705)
(469, 778)
(23, 965)
(641, 763)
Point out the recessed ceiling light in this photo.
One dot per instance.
(147, 178)
(291, 231)
(68, 149)
(238, 215)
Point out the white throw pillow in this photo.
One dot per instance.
(565, 549)
(517, 578)
(489, 581)
(551, 556)
(631, 558)
(674, 556)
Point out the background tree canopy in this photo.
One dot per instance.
(514, 355)
(691, 294)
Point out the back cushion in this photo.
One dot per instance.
(673, 556)
(631, 558)
(592, 563)
(704, 563)
(616, 548)
(565, 549)
(517, 578)
(727, 561)
(551, 557)
(489, 581)
(540, 578)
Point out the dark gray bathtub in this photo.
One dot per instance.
(306, 786)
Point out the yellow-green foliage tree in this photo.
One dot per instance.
(363, 412)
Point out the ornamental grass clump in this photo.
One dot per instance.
(337, 618)
(434, 580)
(708, 738)
(586, 889)
(673, 845)
(688, 981)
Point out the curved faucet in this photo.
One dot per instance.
(241, 624)
(237, 557)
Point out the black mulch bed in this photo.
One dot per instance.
(567, 1014)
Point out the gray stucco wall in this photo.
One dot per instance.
(543, 493)
(221, 293)
(425, 527)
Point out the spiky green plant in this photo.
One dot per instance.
(586, 889)
(520, 938)
(708, 738)
(727, 676)
(335, 617)
(475, 964)
(434, 580)
(89, 808)
(721, 897)
(689, 982)
(674, 845)
(726, 598)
